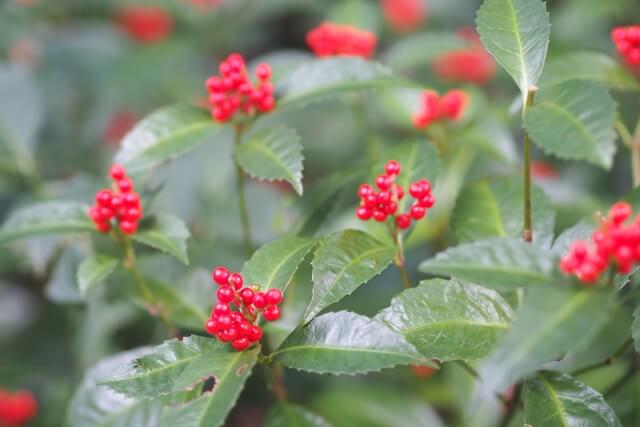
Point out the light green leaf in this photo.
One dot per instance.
(96, 405)
(335, 76)
(449, 320)
(502, 264)
(343, 262)
(290, 415)
(420, 49)
(274, 264)
(345, 343)
(166, 233)
(94, 270)
(574, 120)
(494, 209)
(164, 135)
(175, 366)
(46, 218)
(554, 399)
(593, 66)
(516, 32)
(211, 408)
(273, 154)
(635, 328)
(550, 322)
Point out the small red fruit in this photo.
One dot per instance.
(271, 313)
(221, 275)
(225, 294)
(273, 296)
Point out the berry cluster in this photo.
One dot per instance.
(472, 64)
(16, 409)
(232, 91)
(627, 41)
(240, 327)
(122, 204)
(614, 242)
(146, 24)
(403, 15)
(451, 106)
(329, 39)
(379, 205)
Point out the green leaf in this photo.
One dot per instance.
(187, 303)
(580, 231)
(94, 270)
(516, 32)
(449, 320)
(593, 66)
(554, 399)
(345, 343)
(46, 218)
(574, 120)
(164, 135)
(211, 408)
(273, 154)
(96, 405)
(166, 233)
(290, 415)
(635, 328)
(494, 209)
(502, 264)
(550, 322)
(274, 264)
(420, 49)
(335, 76)
(175, 366)
(343, 262)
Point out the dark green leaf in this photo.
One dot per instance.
(95, 405)
(175, 366)
(420, 49)
(494, 209)
(274, 264)
(187, 302)
(335, 76)
(574, 120)
(345, 343)
(343, 262)
(273, 154)
(94, 270)
(554, 399)
(62, 287)
(165, 134)
(290, 415)
(449, 320)
(516, 32)
(166, 233)
(635, 328)
(550, 322)
(211, 409)
(594, 66)
(46, 218)
(503, 264)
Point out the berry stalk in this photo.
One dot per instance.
(633, 143)
(242, 199)
(527, 233)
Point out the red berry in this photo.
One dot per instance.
(417, 190)
(221, 275)
(399, 191)
(364, 213)
(225, 294)
(246, 295)
(229, 334)
(103, 198)
(365, 190)
(391, 208)
(427, 201)
(244, 328)
(392, 168)
(125, 185)
(383, 182)
(271, 313)
(236, 317)
(240, 344)
(403, 221)
(236, 280)
(212, 326)
(417, 212)
(117, 172)
(103, 227)
(132, 214)
(255, 334)
(221, 309)
(131, 200)
(273, 296)
(128, 227)
(259, 300)
(263, 72)
(620, 212)
(379, 215)
(383, 197)
(224, 321)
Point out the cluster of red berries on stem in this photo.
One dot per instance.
(380, 205)
(240, 326)
(121, 204)
(16, 409)
(614, 242)
(472, 64)
(627, 41)
(329, 39)
(232, 92)
(403, 15)
(435, 108)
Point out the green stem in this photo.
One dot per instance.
(527, 233)
(242, 199)
(399, 258)
(273, 374)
